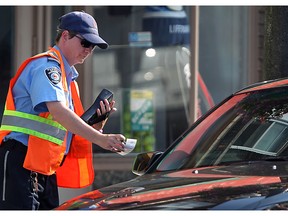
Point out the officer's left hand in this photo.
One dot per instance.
(106, 108)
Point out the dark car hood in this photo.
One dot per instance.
(248, 186)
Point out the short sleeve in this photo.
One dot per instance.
(46, 84)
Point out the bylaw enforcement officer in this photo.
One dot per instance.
(44, 142)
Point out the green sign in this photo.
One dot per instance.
(141, 107)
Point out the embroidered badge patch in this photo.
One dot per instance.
(53, 74)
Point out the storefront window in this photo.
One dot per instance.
(147, 68)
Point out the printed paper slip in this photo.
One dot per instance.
(129, 146)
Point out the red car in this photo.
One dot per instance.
(232, 158)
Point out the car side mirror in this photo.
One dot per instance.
(143, 161)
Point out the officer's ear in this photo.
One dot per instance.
(65, 35)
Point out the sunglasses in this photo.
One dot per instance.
(85, 43)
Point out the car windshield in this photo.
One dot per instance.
(250, 126)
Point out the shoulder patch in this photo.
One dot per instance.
(53, 74)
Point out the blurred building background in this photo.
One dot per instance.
(147, 66)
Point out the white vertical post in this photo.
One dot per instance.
(194, 47)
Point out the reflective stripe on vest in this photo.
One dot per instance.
(43, 128)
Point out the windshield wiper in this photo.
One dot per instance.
(245, 162)
(238, 162)
(277, 158)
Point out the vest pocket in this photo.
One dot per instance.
(4, 176)
(43, 156)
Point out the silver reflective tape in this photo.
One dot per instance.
(34, 126)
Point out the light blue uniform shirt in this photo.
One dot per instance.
(37, 85)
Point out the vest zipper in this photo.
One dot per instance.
(4, 176)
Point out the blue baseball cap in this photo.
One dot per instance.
(83, 24)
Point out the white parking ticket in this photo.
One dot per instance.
(129, 146)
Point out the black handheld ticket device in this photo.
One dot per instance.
(90, 116)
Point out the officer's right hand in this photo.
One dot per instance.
(114, 142)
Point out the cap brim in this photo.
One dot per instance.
(95, 39)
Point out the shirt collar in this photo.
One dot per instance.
(70, 71)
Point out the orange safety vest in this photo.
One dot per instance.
(45, 152)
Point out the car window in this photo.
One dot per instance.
(247, 127)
